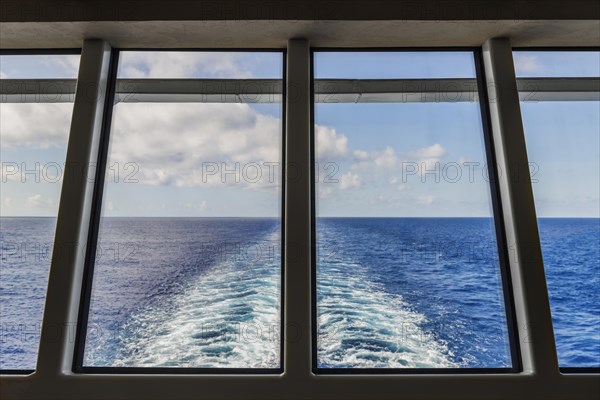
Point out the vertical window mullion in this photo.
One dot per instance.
(503, 252)
(297, 214)
(66, 271)
(532, 305)
(95, 213)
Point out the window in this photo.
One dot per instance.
(563, 141)
(408, 272)
(34, 128)
(132, 303)
(187, 266)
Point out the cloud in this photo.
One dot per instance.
(168, 143)
(40, 66)
(198, 144)
(527, 63)
(38, 201)
(426, 200)
(386, 159)
(360, 155)
(435, 151)
(429, 158)
(37, 125)
(330, 145)
(350, 181)
(174, 64)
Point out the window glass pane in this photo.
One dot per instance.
(557, 64)
(407, 259)
(394, 65)
(563, 149)
(33, 144)
(188, 268)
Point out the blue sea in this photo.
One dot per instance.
(392, 292)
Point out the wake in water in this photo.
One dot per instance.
(228, 318)
(360, 325)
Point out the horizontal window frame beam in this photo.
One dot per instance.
(522, 386)
(326, 90)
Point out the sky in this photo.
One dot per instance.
(373, 159)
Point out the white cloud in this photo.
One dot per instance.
(330, 145)
(429, 158)
(38, 125)
(195, 144)
(3, 75)
(426, 200)
(174, 64)
(435, 151)
(430, 165)
(527, 63)
(169, 143)
(38, 201)
(386, 159)
(360, 155)
(350, 181)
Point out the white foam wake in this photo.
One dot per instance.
(228, 318)
(361, 325)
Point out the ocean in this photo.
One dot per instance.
(392, 292)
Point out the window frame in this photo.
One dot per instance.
(497, 215)
(565, 370)
(96, 217)
(540, 376)
(35, 52)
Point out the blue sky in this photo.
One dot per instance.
(371, 157)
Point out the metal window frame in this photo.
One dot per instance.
(540, 378)
(564, 370)
(96, 216)
(33, 52)
(346, 90)
(498, 216)
(39, 52)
